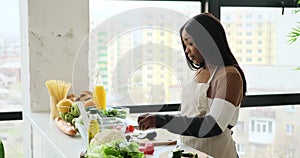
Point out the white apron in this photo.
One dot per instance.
(196, 103)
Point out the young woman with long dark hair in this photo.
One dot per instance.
(211, 100)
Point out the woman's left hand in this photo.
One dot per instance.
(147, 121)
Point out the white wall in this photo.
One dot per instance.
(56, 30)
(51, 35)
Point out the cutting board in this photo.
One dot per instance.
(163, 137)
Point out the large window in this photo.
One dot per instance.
(136, 62)
(258, 37)
(136, 45)
(10, 79)
(10, 57)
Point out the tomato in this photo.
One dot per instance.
(129, 129)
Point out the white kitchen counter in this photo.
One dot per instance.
(48, 141)
(54, 142)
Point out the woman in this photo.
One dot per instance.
(211, 101)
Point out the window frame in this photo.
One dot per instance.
(9, 116)
(264, 100)
(214, 6)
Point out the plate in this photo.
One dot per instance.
(168, 154)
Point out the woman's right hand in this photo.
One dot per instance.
(147, 121)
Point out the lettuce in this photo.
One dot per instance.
(115, 149)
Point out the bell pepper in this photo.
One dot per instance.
(148, 149)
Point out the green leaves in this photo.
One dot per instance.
(113, 113)
(296, 11)
(115, 149)
(296, 68)
(294, 34)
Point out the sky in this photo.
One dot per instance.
(9, 17)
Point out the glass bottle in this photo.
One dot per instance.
(95, 122)
(99, 94)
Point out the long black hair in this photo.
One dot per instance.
(209, 37)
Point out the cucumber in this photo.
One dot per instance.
(2, 154)
(177, 152)
(188, 154)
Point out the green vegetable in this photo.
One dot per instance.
(75, 110)
(177, 152)
(69, 117)
(113, 113)
(62, 115)
(115, 149)
(2, 154)
(188, 154)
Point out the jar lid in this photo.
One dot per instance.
(93, 111)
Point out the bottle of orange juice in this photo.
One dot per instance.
(99, 94)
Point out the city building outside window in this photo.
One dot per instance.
(10, 78)
(274, 57)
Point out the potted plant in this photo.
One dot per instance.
(294, 34)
